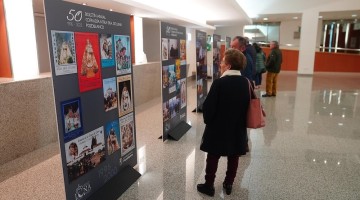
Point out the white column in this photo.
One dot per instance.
(22, 40)
(139, 41)
(308, 37)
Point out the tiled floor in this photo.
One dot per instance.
(309, 149)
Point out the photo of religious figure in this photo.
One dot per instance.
(125, 95)
(172, 78)
(200, 88)
(183, 52)
(85, 153)
(172, 105)
(178, 69)
(165, 76)
(112, 131)
(122, 54)
(164, 48)
(183, 92)
(166, 111)
(174, 48)
(107, 50)
(64, 54)
(110, 94)
(72, 118)
(127, 131)
(88, 56)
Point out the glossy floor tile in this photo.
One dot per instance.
(309, 149)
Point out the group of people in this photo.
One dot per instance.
(226, 105)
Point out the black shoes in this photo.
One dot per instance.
(228, 188)
(210, 191)
(268, 95)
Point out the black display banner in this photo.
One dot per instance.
(94, 96)
(201, 69)
(227, 43)
(174, 84)
(216, 56)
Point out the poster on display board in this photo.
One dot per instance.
(173, 84)
(227, 43)
(216, 56)
(201, 69)
(91, 63)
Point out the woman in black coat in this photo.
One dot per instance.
(224, 112)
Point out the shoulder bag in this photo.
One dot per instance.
(255, 114)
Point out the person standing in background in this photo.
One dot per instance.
(239, 43)
(252, 52)
(273, 67)
(260, 65)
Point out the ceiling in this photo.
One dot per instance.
(209, 14)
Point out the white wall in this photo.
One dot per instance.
(230, 31)
(151, 30)
(191, 51)
(287, 29)
(42, 44)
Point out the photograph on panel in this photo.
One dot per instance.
(112, 131)
(110, 94)
(165, 76)
(72, 122)
(166, 111)
(183, 52)
(125, 95)
(183, 92)
(85, 153)
(64, 54)
(122, 54)
(174, 49)
(88, 56)
(178, 69)
(107, 50)
(165, 49)
(172, 78)
(127, 131)
(173, 105)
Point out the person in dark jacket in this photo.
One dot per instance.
(273, 66)
(224, 112)
(239, 43)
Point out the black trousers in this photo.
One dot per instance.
(212, 165)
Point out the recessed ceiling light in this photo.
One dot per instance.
(265, 18)
(320, 17)
(84, 4)
(354, 15)
(111, 9)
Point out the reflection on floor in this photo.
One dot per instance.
(309, 149)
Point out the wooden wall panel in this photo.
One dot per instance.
(5, 67)
(336, 62)
(132, 38)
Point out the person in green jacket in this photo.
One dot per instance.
(273, 66)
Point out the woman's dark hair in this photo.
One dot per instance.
(257, 47)
(236, 59)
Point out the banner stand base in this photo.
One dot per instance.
(114, 188)
(179, 131)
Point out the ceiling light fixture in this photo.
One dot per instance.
(84, 4)
(111, 9)
(320, 17)
(265, 18)
(295, 17)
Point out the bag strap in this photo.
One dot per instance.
(251, 90)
